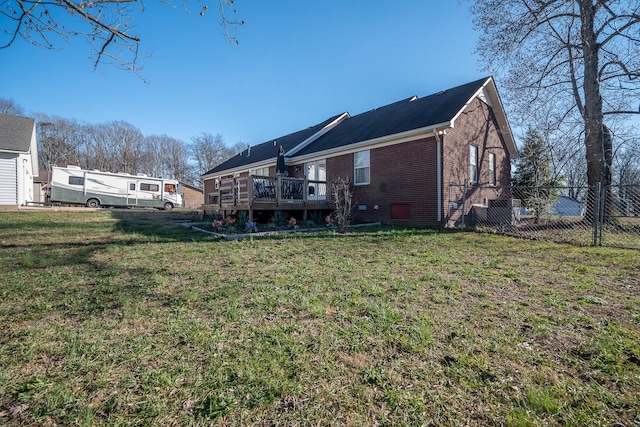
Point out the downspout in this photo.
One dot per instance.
(439, 173)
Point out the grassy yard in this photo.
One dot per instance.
(122, 318)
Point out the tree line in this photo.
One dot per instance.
(119, 146)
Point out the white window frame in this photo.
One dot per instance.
(492, 168)
(263, 171)
(362, 162)
(316, 191)
(473, 163)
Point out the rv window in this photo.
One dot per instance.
(76, 180)
(170, 188)
(149, 187)
(132, 186)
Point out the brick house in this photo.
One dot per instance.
(401, 159)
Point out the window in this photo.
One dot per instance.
(492, 169)
(149, 187)
(362, 171)
(76, 180)
(473, 163)
(170, 188)
(132, 186)
(260, 171)
(316, 173)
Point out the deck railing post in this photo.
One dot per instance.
(278, 188)
(305, 190)
(250, 191)
(234, 190)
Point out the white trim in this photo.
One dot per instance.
(368, 166)
(239, 169)
(371, 144)
(473, 148)
(318, 134)
(495, 103)
(272, 161)
(492, 168)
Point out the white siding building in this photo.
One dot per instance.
(18, 159)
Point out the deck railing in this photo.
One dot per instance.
(277, 190)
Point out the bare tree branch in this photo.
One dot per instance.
(106, 25)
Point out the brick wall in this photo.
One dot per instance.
(476, 125)
(404, 176)
(401, 175)
(193, 198)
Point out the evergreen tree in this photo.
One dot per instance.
(533, 180)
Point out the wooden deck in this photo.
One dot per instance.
(268, 193)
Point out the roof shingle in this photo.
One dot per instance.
(15, 133)
(269, 150)
(402, 116)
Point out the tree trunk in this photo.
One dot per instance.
(598, 147)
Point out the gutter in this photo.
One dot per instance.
(439, 173)
(382, 141)
(238, 169)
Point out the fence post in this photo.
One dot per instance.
(604, 214)
(596, 214)
(464, 201)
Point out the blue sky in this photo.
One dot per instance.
(298, 62)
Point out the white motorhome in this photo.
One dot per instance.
(93, 188)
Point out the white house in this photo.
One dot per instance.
(18, 159)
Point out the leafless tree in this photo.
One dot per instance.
(127, 146)
(238, 147)
(578, 60)
(60, 141)
(342, 203)
(627, 171)
(208, 151)
(114, 147)
(167, 157)
(106, 25)
(10, 106)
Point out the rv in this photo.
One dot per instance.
(92, 188)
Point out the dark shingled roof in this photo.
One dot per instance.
(15, 133)
(402, 116)
(267, 150)
(398, 117)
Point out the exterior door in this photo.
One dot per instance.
(317, 177)
(132, 193)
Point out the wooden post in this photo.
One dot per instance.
(250, 190)
(305, 190)
(278, 185)
(233, 190)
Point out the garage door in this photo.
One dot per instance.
(8, 180)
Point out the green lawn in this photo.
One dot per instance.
(122, 318)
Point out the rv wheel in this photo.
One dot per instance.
(168, 206)
(93, 203)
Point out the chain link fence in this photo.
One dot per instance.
(607, 216)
